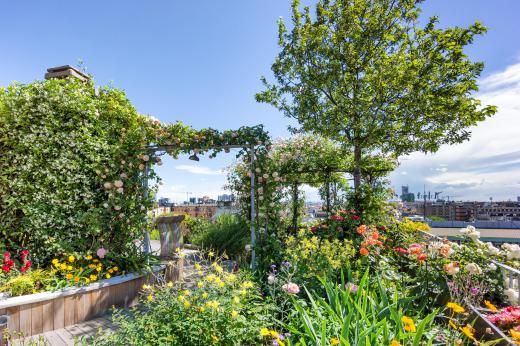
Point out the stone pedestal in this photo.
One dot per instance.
(171, 234)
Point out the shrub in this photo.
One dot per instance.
(228, 234)
(70, 168)
(222, 309)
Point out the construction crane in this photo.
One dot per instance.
(187, 198)
(437, 195)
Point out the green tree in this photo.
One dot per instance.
(364, 73)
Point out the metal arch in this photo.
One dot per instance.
(153, 149)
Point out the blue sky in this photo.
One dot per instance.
(200, 62)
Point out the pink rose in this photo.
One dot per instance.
(291, 288)
(101, 252)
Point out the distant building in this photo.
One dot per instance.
(164, 202)
(466, 211)
(406, 195)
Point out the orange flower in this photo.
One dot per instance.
(363, 251)
(362, 229)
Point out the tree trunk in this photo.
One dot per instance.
(357, 168)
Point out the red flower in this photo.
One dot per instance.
(422, 257)
(28, 264)
(6, 269)
(7, 254)
(363, 251)
(401, 250)
(337, 218)
(25, 252)
(314, 229)
(24, 269)
(355, 217)
(381, 228)
(9, 262)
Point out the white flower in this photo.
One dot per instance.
(492, 250)
(120, 190)
(116, 207)
(265, 175)
(512, 296)
(146, 158)
(107, 185)
(249, 247)
(275, 174)
(123, 175)
(105, 205)
(141, 166)
(492, 267)
(473, 269)
(271, 279)
(118, 183)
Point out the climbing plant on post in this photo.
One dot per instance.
(365, 74)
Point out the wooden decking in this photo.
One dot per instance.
(68, 335)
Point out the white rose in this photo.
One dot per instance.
(107, 185)
(118, 183)
(120, 190)
(271, 279)
(116, 207)
(473, 269)
(146, 158)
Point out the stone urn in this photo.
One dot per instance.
(171, 234)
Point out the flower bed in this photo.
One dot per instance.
(36, 313)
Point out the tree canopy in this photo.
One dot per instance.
(364, 73)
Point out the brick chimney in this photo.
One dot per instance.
(65, 72)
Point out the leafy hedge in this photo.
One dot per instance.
(70, 168)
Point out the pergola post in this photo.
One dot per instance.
(253, 212)
(295, 205)
(146, 243)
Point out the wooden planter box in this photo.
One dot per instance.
(41, 312)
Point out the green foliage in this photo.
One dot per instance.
(196, 226)
(31, 282)
(228, 234)
(364, 74)
(224, 309)
(367, 316)
(60, 144)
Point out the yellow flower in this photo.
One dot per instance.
(187, 304)
(88, 258)
(72, 259)
(98, 269)
(242, 292)
(236, 300)
(452, 325)
(178, 249)
(180, 298)
(107, 276)
(186, 292)
(150, 298)
(490, 306)
(115, 269)
(197, 266)
(215, 338)
(273, 333)
(200, 272)
(201, 309)
(55, 261)
(69, 276)
(63, 266)
(409, 325)
(515, 335)
(455, 307)
(76, 278)
(91, 266)
(334, 341)
(87, 280)
(111, 271)
(234, 313)
(247, 284)
(169, 284)
(264, 332)
(221, 284)
(69, 268)
(93, 277)
(468, 331)
(210, 277)
(395, 343)
(147, 287)
(211, 254)
(200, 284)
(205, 295)
(95, 261)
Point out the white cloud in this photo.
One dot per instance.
(486, 165)
(199, 170)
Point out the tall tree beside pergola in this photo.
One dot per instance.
(363, 72)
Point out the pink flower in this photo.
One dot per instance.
(101, 252)
(355, 217)
(337, 218)
(401, 250)
(291, 288)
